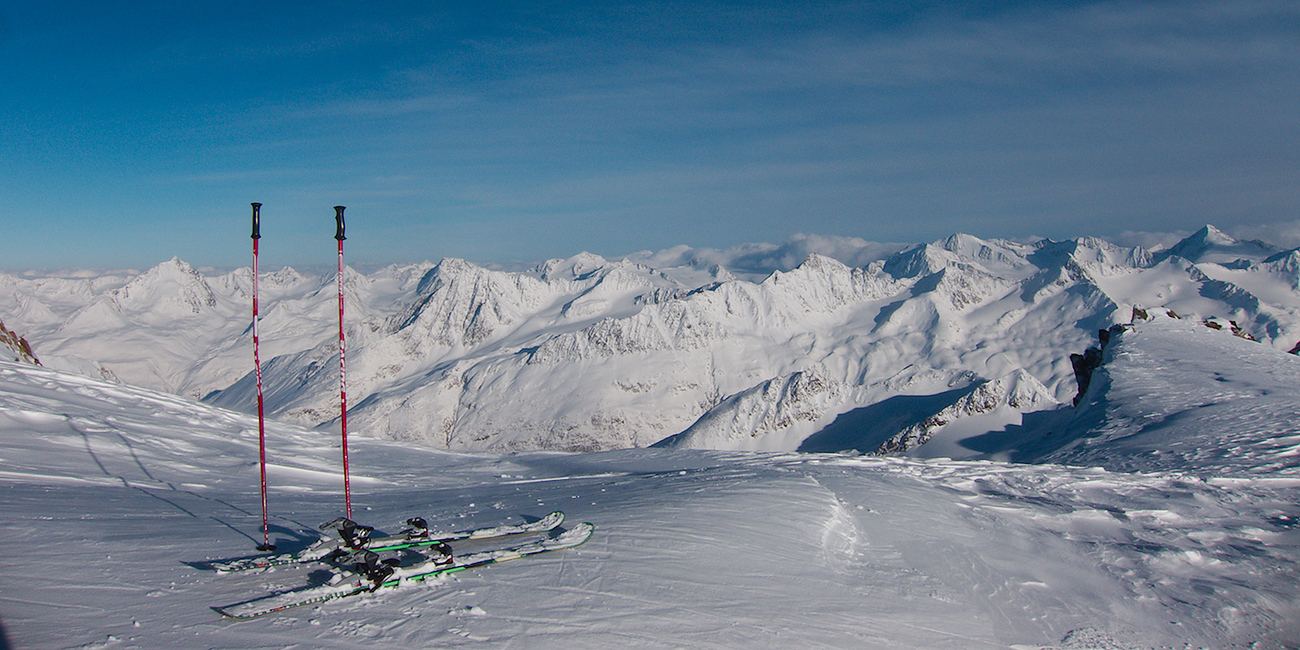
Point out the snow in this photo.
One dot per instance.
(588, 354)
(1160, 512)
(111, 491)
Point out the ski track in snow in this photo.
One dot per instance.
(110, 490)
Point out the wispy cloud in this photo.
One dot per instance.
(1284, 232)
(625, 125)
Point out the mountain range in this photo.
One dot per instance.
(962, 345)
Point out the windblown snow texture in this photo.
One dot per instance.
(111, 492)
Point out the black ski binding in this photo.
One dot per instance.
(354, 535)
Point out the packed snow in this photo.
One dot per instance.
(1162, 510)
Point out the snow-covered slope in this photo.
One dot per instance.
(175, 329)
(1171, 394)
(111, 491)
(592, 354)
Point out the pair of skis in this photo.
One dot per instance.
(416, 535)
(353, 553)
(358, 569)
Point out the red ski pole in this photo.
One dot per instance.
(343, 384)
(257, 362)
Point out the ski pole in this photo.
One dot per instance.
(257, 362)
(343, 384)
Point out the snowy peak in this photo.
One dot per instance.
(1209, 244)
(405, 276)
(1284, 266)
(962, 251)
(821, 285)
(173, 284)
(573, 268)
(1103, 258)
(1208, 236)
(462, 304)
(991, 254)
(921, 260)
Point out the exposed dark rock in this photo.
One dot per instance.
(1087, 363)
(17, 346)
(1084, 365)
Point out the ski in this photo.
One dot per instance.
(353, 537)
(351, 583)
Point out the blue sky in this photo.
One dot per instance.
(499, 131)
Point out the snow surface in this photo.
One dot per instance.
(110, 491)
(1160, 512)
(764, 348)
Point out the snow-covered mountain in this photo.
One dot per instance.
(174, 329)
(592, 354)
(1155, 508)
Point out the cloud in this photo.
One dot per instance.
(755, 260)
(1064, 121)
(1152, 241)
(818, 83)
(1080, 45)
(616, 126)
(1285, 234)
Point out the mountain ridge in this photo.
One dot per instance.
(587, 353)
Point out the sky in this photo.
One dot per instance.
(132, 132)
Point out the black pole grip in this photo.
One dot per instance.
(257, 221)
(338, 220)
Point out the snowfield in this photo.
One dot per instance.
(111, 491)
(826, 444)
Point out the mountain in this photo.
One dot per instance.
(587, 354)
(1150, 500)
(1209, 244)
(175, 329)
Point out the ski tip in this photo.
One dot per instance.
(224, 613)
(580, 533)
